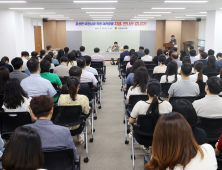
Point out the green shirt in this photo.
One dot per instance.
(173, 42)
(53, 78)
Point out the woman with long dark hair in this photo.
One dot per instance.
(171, 75)
(182, 54)
(42, 55)
(72, 60)
(49, 58)
(4, 63)
(60, 54)
(211, 66)
(175, 148)
(158, 53)
(162, 67)
(4, 76)
(23, 151)
(127, 58)
(198, 77)
(73, 98)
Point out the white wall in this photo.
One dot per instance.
(202, 30)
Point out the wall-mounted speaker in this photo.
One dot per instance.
(45, 19)
(198, 19)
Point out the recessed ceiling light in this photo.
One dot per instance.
(27, 8)
(157, 12)
(98, 8)
(58, 17)
(175, 19)
(143, 17)
(196, 15)
(99, 12)
(101, 19)
(184, 17)
(41, 13)
(186, 1)
(139, 19)
(95, 1)
(65, 19)
(203, 12)
(51, 15)
(168, 8)
(149, 15)
(101, 15)
(11, 2)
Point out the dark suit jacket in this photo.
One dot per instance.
(123, 54)
(140, 53)
(204, 61)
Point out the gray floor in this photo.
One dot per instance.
(108, 150)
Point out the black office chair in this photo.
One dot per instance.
(219, 161)
(190, 98)
(101, 69)
(61, 159)
(165, 88)
(158, 76)
(11, 120)
(1, 102)
(51, 70)
(148, 62)
(202, 90)
(57, 90)
(212, 127)
(63, 79)
(155, 62)
(150, 73)
(209, 75)
(150, 66)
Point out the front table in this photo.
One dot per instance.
(109, 55)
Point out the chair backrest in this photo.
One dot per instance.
(51, 70)
(59, 160)
(98, 65)
(190, 98)
(209, 75)
(158, 76)
(150, 73)
(67, 115)
(11, 120)
(148, 62)
(202, 89)
(165, 88)
(150, 66)
(133, 99)
(155, 62)
(63, 79)
(86, 89)
(1, 101)
(55, 86)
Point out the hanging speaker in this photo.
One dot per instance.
(45, 19)
(198, 19)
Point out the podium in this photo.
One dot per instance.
(168, 46)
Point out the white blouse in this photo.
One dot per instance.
(160, 69)
(194, 77)
(135, 91)
(74, 63)
(170, 78)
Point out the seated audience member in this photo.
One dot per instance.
(49, 57)
(78, 54)
(198, 77)
(184, 87)
(96, 57)
(25, 57)
(189, 48)
(162, 67)
(193, 56)
(132, 61)
(210, 52)
(147, 57)
(203, 58)
(175, 57)
(201, 50)
(133, 54)
(130, 77)
(170, 58)
(52, 136)
(174, 49)
(139, 85)
(141, 52)
(185, 108)
(166, 53)
(171, 75)
(82, 50)
(126, 52)
(210, 106)
(4, 63)
(219, 61)
(86, 77)
(66, 50)
(60, 55)
(182, 54)
(88, 63)
(48, 49)
(4, 76)
(42, 55)
(211, 66)
(186, 59)
(174, 147)
(35, 85)
(17, 63)
(62, 70)
(34, 54)
(53, 60)
(53, 78)
(159, 52)
(73, 98)
(218, 146)
(127, 58)
(72, 60)
(23, 151)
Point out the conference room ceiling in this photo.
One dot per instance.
(124, 9)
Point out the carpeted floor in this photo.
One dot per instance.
(108, 150)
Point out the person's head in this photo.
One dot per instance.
(219, 56)
(45, 66)
(141, 48)
(182, 54)
(213, 86)
(33, 66)
(73, 84)
(82, 48)
(135, 54)
(166, 52)
(210, 52)
(88, 60)
(185, 108)
(81, 62)
(75, 71)
(203, 55)
(4, 76)
(173, 143)
(64, 60)
(71, 57)
(162, 59)
(198, 67)
(49, 48)
(60, 53)
(174, 55)
(186, 59)
(211, 63)
(201, 50)
(96, 50)
(25, 54)
(13, 94)
(34, 54)
(136, 65)
(4, 60)
(192, 53)
(190, 48)
(24, 150)
(133, 60)
(42, 54)
(66, 49)
(17, 63)
(78, 54)
(174, 49)
(115, 43)
(131, 52)
(126, 47)
(51, 54)
(186, 69)
(48, 58)
(159, 51)
(171, 70)
(172, 37)
(141, 78)
(42, 107)
(170, 53)
(146, 51)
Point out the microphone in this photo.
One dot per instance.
(108, 48)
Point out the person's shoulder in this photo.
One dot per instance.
(81, 96)
(165, 103)
(207, 149)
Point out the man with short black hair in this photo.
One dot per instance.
(88, 63)
(174, 49)
(17, 63)
(34, 54)
(82, 50)
(53, 137)
(210, 52)
(141, 52)
(25, 57)
(193, 56)
(210, 106)
(189, 48)
(66, 50)
(175, 57)
(147, 57)
(62, 70)
(219, 61)
(125, 53)
(48, 49)
(173, 40)
(203, 58)
(200, 51)
(96, 57)
(115, 47)
(35, 85)
(184, 87)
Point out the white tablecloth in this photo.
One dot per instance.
(109, 55)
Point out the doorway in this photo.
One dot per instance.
(38, 38)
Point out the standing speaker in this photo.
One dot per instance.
(45, 19)
(198, 19)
